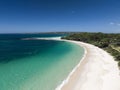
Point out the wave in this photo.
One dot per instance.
(42, 38)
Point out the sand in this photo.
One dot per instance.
(97, 71)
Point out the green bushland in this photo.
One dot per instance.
(103, 40)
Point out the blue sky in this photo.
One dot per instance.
(17, 16)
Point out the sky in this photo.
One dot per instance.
(19, 16)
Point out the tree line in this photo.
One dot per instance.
(103, 40)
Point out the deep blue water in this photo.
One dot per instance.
(12, 46)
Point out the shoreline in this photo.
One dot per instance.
(65, 81)
(97, 71)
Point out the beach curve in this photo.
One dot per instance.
(96, 71)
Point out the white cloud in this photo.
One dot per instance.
(118, 24)
(112, 23)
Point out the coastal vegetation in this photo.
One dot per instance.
(108, 42)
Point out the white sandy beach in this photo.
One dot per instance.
(97, 71)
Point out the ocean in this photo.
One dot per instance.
(35, 64)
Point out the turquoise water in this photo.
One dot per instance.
(36, 64)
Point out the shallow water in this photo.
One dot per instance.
(36, 64)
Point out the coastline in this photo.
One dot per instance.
(66, 81)
(97, 71)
